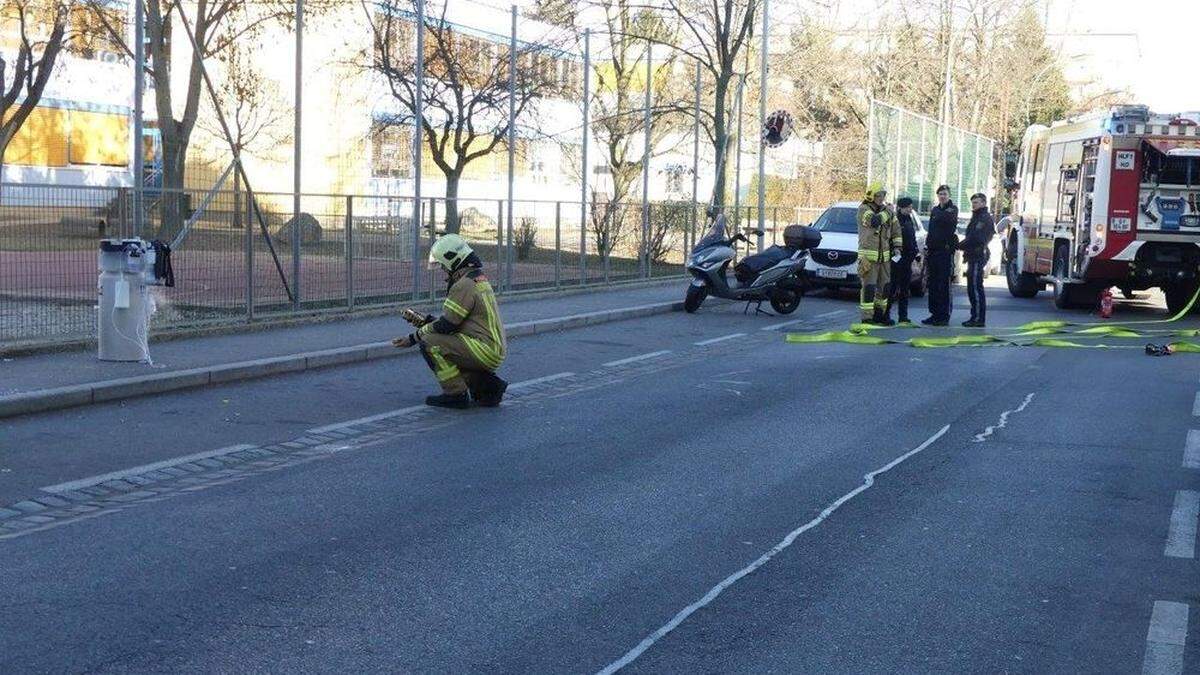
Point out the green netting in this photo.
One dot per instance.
(905, 154)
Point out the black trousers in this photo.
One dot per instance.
(975, 288)
(939, 265)
(901, 287)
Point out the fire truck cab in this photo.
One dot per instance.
(1111, 199)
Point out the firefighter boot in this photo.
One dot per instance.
(487, 389)
(454, 401)
(882, 319)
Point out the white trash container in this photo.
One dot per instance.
(125, 303)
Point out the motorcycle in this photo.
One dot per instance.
(776, 275)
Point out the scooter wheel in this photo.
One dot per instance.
(694, 298)
(785, 300)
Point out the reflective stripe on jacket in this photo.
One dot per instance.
(470, 311)
(878, 234)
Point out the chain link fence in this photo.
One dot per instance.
(233, 256)
(911, 155)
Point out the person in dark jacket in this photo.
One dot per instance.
(902, 266)
(940, 246)
(974, 246)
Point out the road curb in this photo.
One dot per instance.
(114, 390)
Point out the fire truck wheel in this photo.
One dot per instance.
(1020, 284)
(1178, 296)
(1063, 291)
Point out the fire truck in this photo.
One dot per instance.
(1110, 199)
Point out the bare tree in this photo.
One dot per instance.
(715, 32)
(466, 87)
(215, 25)
(42, 32)
(254, 106)
(619, 116)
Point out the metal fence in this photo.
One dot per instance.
(911, 155)
(234, 263)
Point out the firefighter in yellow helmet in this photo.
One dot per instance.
(879, 240)
(466, 345)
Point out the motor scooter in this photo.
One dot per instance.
(774, 275)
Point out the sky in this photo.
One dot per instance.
(1141, 47)
(1144, 47)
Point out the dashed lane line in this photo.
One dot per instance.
(1191, 451)
(517, 386)
(145, 468)
(723, 338)
(1166, 638)
(1181, 536)
(785, 324)
(635, 359)
(366, 420)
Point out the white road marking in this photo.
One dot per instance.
(1166, 638)
(539, 380)
(633, 359)
(720, 339)
(1196, 406)
(1191, 451)
(777, 326)
(981, 437)
(413, 408)
(715, 591)
(145, 468)
(366, 420)
(1181, 537)
(826, 315)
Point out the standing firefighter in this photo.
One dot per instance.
(879, 241)
(466, 345)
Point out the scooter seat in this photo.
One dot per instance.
(748, 269)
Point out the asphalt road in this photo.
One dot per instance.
(744, 505)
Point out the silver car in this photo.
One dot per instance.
(834, 264)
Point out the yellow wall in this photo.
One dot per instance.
(99, 138)
(41, 140)
(52, 137)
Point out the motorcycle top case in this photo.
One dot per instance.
(801, 237)
(750, 267)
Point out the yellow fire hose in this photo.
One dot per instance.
(1031, 334)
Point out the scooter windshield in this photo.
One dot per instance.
(715, 236)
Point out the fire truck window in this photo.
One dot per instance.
(1163, 170)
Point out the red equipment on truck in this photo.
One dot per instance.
(1111, 199)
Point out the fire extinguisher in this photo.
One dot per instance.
(1106, 304)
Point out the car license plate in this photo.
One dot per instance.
(831, 274)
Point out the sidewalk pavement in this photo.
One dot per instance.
(67, 379)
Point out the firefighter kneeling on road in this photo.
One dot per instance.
(466, 345)
(879, 243)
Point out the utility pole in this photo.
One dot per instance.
(139, 93)
(296, 229)
(762, 119)
(947, 92)
(417, 146)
